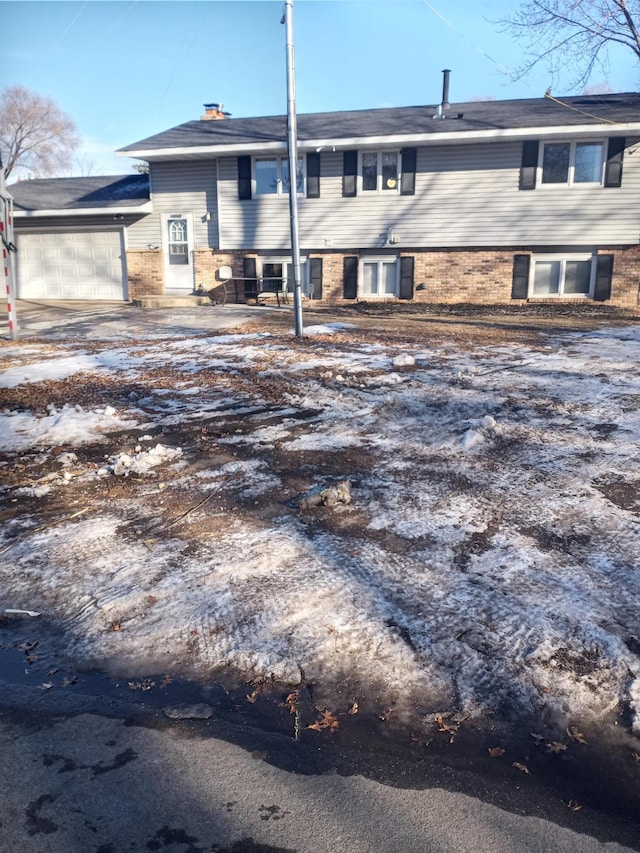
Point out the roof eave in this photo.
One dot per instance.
(459, 137)
(147, 207)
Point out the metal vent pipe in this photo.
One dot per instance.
(445, 88)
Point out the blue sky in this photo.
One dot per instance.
(126, 70)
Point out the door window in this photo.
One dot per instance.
(178, 243)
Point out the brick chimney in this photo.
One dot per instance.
(214, 112)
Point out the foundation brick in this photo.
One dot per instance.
(145, 273)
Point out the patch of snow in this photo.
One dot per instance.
(139, 462)
(68, 426)
(403, 360)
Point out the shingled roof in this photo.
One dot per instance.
(462, 118)
(88, 193)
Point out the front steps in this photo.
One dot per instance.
(170, 301)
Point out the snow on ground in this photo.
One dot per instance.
(488, 562)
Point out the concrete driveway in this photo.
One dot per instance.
(120, 320)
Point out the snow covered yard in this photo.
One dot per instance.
(156, 504)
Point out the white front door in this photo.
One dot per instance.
(177, 244)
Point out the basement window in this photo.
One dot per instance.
(562, 276)
(378, 277)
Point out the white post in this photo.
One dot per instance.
(292, 147)
(8, 247)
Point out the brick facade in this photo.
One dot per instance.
(625, 285)
(480, 276)
(144, 271)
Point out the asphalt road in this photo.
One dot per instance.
(77, 781)
(121, 321)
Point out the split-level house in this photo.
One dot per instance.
(485, 202)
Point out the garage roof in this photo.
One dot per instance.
(82, 194)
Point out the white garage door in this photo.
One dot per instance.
(78, 265)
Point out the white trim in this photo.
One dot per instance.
(147, 207)
(396, 140)
(218, 213)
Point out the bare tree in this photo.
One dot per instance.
(575, 34)
(35, 135)
(83, 165)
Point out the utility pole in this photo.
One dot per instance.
(292, 148)
(8, 248)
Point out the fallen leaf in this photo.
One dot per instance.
(384, 716)
(538, 738)
(166, 679)
(353, 709)
(115, 626)
(53, 671)
(47, 685)
(522, 767)
(450, 728)
(576, 735)
(71, 680)
(575, 807)
(556, 747)
(326, 721)
(151, 599)
(496, 751)
(291, 702)
(636, 757)
(27, 647)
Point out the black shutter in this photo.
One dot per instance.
(604, 272)
(349, 174)
(313, 175)
(251, 280)
(529, 165)
(408, 179)
(406, 278)
(244, 178)
(315, 277)
(520, 285)
(613, 169)
(350, 278)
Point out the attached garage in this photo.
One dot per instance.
(71, 235)
(76, 265)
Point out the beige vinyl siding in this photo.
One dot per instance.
(466, 195)
(180, 187)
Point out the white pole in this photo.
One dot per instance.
(292, 147)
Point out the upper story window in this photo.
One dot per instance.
(379, 171)
(271, 176)
(572, 162)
